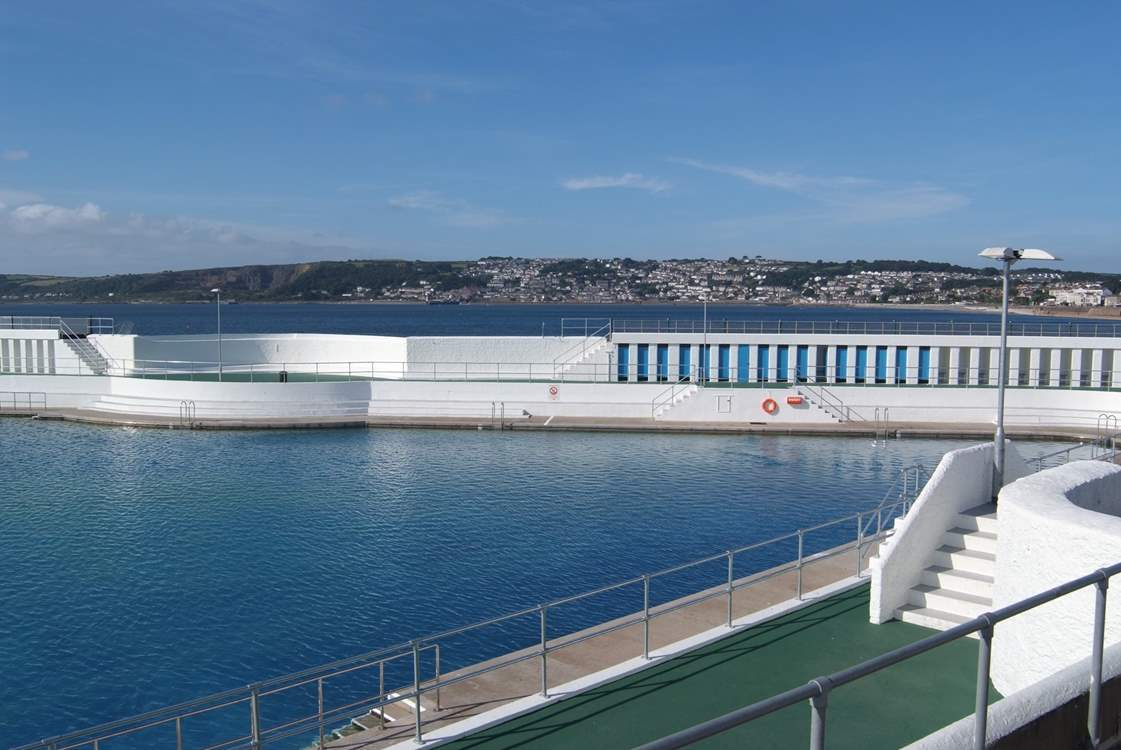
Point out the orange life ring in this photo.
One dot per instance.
(770, 405)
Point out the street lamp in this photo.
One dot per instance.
(218, 304)
(1007, 256)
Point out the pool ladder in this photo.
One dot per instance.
(881, 421)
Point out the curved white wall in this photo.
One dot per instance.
(1056, 525)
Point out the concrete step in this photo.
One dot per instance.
(944, 600)
(958, 580)
(981, 518)
(982, 541)
(974, 561)
(928, 618)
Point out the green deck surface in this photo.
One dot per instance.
(885, 710)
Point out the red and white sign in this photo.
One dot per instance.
(554, 392)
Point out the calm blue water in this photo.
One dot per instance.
(144, 567)
(446, 320)
(141, 568)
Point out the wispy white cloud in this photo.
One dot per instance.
(37, 217)
(83, 238)
(631, 180)
(15, 154)
(454, 212)
(849, 199)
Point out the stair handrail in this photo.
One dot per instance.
(667, 396)
(900, 495)
(832, 403)
(578, 350)
(84, 342)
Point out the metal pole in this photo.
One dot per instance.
(998, 439)
(381, 691)
(859, 541)
(218, 304)
(544, 652)
(438, 669)
(178, 733)
(1095, 712)
(254, 719)
(981, 709)
(818, 705)
(799, 564)
(416, 688)
(646, 617)
(731, 578)
(319, 690)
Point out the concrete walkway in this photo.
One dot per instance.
(886, 710)
(949, 430)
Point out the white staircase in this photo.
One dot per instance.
(957, 584)
(676, 394)
(584, 362)
(829, 403)
(92, 360)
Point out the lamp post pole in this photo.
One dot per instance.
(1002, 375)
(218, 304)
(1007, 256)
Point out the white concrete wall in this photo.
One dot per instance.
(511, 357)
(1055, 525)
(962, 480)
(278, 349)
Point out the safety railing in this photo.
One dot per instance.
(591, 371)
(863, 328)
(21, 401)
(578, 352)
(96, 358)
(76, 325)
(851, 534)
(818, 691)
(831, 403)
(1106, 450)
(669, 397)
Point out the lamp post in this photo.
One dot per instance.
(1007, 256)
(218, 304)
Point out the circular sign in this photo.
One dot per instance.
(554, 391)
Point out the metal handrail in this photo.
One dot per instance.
(817, 691)
(579, 350)
(600, 372)
(870, 327)
(90, 737)
(52, 322)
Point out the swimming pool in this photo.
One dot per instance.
(144, 567)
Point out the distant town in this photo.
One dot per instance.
(558, 280)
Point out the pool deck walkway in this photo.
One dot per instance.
(886, 710)
(699, 669)
(935, 430)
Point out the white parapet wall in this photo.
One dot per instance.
(1055, 525)
(962, 480)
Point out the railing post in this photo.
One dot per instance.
(731, 579)
(254, 718)
(437, 676)
(1095, 711)
(981, 709)
(646, 617)
(319, 692)
(381, 692)
(859, 540)
(818, 705)
(178, 733)
(416, 688)
(799, 564)
(544, 609)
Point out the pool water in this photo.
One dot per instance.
(144, 567)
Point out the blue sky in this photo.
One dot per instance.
(138, 136)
